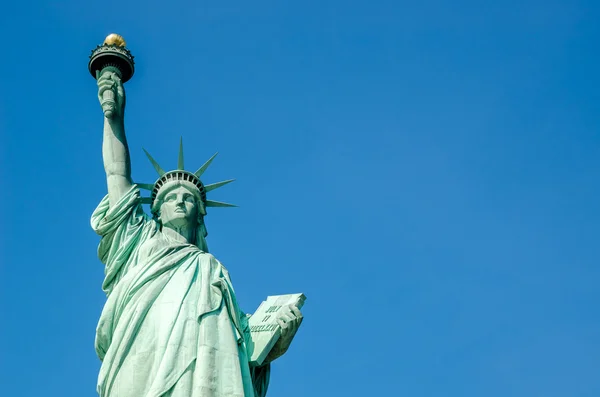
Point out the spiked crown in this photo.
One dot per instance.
(165, 178)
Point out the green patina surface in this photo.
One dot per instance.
(171, 325)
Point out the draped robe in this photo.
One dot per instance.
(171, 325)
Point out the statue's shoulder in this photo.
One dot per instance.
(212, 261)
(208, 257)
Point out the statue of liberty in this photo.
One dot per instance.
(171, 325)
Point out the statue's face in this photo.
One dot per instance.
(179, 208)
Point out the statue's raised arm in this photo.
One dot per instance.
(115, 152)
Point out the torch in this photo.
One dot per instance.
(111, 56)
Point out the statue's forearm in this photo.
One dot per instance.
(117, 163)
(274, 354)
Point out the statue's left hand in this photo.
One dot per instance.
(289, 321)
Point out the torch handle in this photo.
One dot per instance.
(108, 103)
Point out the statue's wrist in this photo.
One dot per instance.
(115, 121)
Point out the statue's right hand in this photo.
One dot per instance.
(113, 101)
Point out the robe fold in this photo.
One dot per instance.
(171, 325)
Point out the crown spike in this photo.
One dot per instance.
(211, 203)
(156, 166)
(146, 186)
(201, 170)
(180, 158)
(217, 185)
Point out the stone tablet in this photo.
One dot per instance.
(264, 330)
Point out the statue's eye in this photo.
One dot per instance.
(189, 199)
(170, 197)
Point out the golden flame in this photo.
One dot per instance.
(115, 39)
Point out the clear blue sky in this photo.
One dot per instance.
(427, 173)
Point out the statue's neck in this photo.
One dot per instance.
(183, 235)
